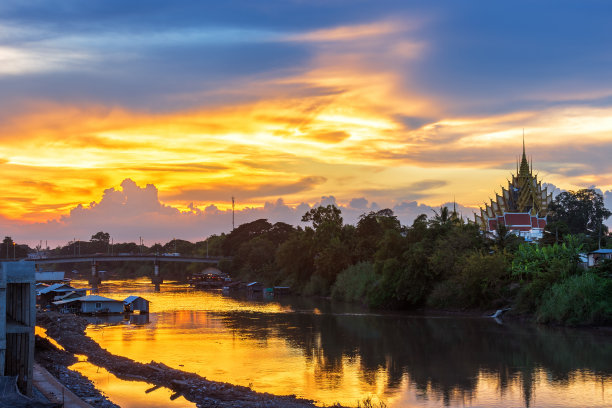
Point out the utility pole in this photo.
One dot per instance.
(233, 213)
(14, 243)
(599, 237)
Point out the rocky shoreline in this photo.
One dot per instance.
(69, 331)
(57, 361)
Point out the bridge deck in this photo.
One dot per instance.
(121, 258)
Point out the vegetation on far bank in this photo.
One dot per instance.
(440, 262)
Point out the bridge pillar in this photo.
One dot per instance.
(156, 279)
(94, 279)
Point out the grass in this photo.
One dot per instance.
(578, 300)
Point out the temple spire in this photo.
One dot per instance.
(524, 170)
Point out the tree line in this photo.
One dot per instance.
(440, 262)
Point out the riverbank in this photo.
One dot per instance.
(69, 331)
(57, 361)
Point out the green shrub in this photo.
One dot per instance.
(579, 299)
(317, 285)
(444, 295)
(353, 283)
(479, 280)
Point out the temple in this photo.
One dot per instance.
(521, 208)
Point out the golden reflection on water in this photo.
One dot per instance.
(128, 394)
(42, 332)
(276, 348)
(583, 390)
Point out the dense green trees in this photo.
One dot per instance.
(578, 212)
(437, 262)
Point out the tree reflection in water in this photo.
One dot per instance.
(443, 358)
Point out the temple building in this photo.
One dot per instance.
(522, 206)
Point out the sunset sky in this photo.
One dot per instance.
(144, 118)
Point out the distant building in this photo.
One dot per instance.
(595, 257)
(17, 322)
(522, 207)
(38, 255)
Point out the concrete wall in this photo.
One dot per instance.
(17, 322)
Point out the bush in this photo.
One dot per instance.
(580, 299)
(317, 285)
(353, 283)
(479, 281)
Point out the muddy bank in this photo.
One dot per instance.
(57, 362)
(69, 331)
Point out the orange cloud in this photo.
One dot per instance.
(349, 122)
(353, 32)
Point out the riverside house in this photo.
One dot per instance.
(91, 304)
(595, 257)
(56, 292)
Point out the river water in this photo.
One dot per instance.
(340, 353)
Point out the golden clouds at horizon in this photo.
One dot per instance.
(61, 156)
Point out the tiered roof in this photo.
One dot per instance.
(524, 194)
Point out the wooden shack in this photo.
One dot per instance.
(254, 287)
(136, 304)
(55, 292)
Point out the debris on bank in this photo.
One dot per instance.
(57, 361)
(69, 331)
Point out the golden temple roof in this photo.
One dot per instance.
(523, 194)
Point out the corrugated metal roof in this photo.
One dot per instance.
(63, 302)
(97, 298)
(55, 286)
(88, 298)
(602, 251)
(132, 298)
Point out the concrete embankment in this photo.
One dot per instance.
(54, 391)
(69, 332)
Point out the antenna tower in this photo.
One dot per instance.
(232, 213)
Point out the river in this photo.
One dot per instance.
(332, 352)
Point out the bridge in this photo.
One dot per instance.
(95, 258)
(138, 258)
